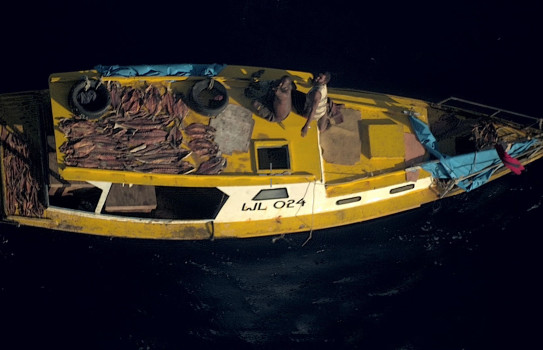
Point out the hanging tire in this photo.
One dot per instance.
(89, 98)
(208, 97)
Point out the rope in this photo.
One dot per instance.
(312, 215)
(282, 236)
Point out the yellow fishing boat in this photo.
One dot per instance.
(180, 152)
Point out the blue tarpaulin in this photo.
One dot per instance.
(200, 70)
(463, 165)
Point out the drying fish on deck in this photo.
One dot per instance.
(200, 131)
(148, 137)
(75, 128)
(22, 186)
(212, 166)
(152, 100)
(199, 128)
(203, 147)
(131, 101)
(139, 118)
(115, 94)
(174, 136)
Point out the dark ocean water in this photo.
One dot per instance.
(460, 274)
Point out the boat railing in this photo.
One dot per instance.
(490, 111)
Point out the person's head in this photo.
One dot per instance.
(285, 79)
(285, 83)
(323, 78)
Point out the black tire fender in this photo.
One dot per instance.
(89, 98)
(208, 97)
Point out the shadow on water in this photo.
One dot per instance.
(442, 276)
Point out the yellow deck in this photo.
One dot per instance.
(380, 115)
(240, 170)
(382, 128)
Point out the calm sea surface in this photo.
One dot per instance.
(460, 274)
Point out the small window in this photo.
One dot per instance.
(272, 193)
(273, 158)
(403, 188)
(348, 200)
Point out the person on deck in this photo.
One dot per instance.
(316, 104)
(279, 98)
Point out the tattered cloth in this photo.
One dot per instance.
(478, 166)
(341, 142)
(199, 70)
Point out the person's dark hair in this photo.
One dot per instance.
(327, 76)
(286, 78)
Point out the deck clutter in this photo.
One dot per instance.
(22, 187)
(142, 131)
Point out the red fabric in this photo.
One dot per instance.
(512, 163)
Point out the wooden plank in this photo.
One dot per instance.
(59, 186)
(135, 198)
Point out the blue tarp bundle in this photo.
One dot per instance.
(200, 70)
(460, 166)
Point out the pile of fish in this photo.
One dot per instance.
(22, 187)
(142, 132)
(201, 143)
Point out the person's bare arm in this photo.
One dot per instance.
(311, 116)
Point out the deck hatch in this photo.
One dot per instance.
(272, 156)
(272, 193)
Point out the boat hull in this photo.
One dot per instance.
(373, 164)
